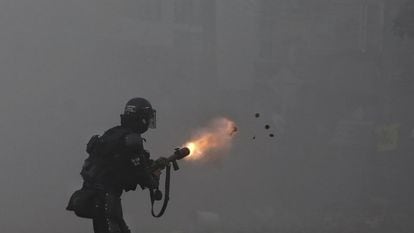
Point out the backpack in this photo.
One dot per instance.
(85, 202)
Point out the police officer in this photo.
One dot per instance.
(117, 162)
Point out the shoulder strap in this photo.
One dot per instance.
(166, 197)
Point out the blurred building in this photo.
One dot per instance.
(337, 73)
(330, 42)
(333, 57)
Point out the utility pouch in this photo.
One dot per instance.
(84, 203)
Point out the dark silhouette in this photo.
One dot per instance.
(117, 162)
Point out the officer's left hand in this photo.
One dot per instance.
(157, 173)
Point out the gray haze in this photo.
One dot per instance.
(330, 77)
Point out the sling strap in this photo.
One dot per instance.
(166, 196)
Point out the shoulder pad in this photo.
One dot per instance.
(111, 140)
(114, 134)
(133, 141)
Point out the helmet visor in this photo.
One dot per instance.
(147, 115)
(153, 119)
(150, 115)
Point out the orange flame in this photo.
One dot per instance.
(217, 136)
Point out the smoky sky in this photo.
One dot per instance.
(328, 78)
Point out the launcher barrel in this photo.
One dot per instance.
(162, 162)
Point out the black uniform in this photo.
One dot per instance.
(116, 163)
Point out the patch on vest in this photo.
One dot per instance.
(135, 161)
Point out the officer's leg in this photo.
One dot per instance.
(110, 220)
(99, 221)
(100, 225)
(119, 217)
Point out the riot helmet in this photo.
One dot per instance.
(139, 115)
